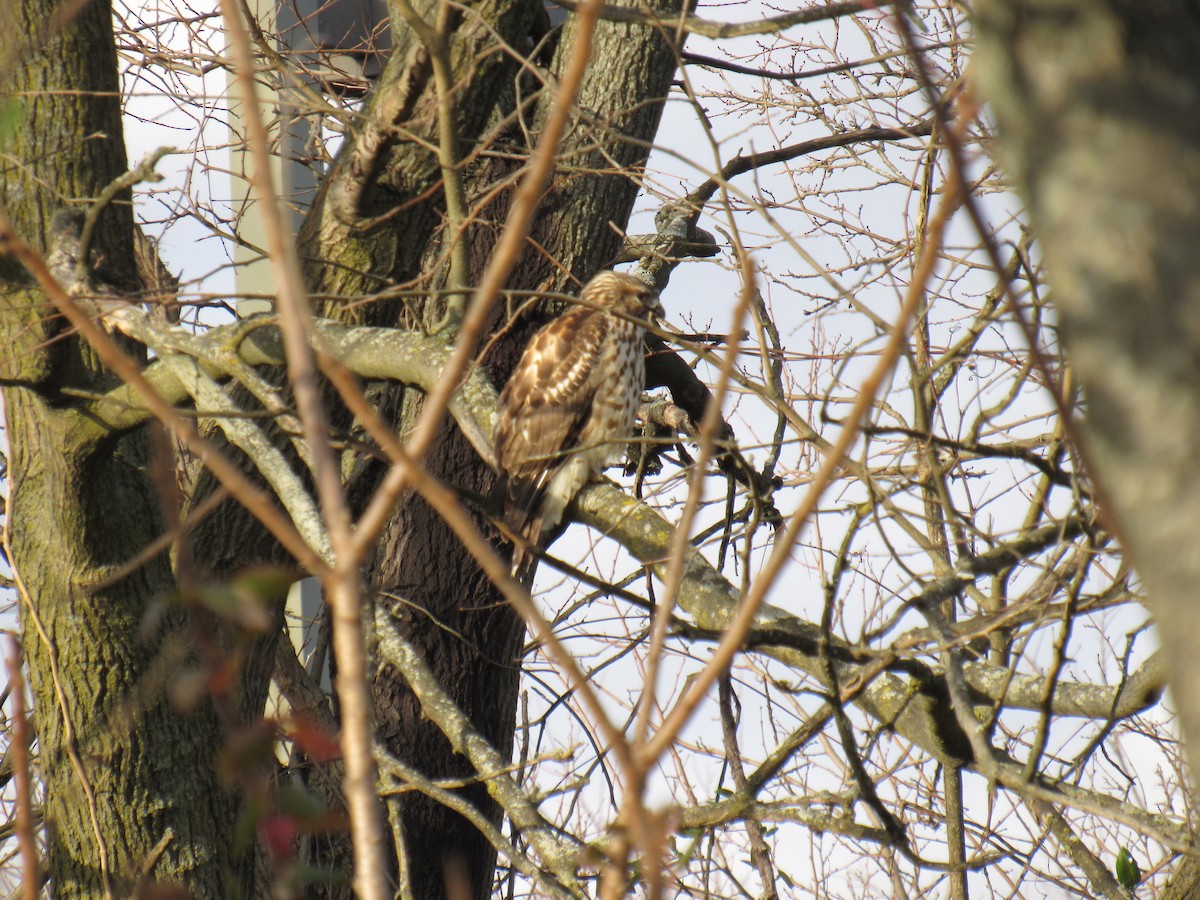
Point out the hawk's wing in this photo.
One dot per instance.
(544, 407)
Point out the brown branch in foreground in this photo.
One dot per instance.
(31, 877)
(341, 584)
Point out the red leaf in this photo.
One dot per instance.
(279, 835)
(317, 744)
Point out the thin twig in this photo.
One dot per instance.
(409, 778)
(760, 854)
(712, 29)
(457, 728)
(142, 888)
(436, 39)
(163, 542)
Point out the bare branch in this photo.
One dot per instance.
(710, 29)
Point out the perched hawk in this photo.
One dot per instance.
(570, 404)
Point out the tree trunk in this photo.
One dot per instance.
(1098, 108)
(91, 494)
(116, 756)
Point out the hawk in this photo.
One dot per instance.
(570, 404)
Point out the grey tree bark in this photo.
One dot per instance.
(1098, 114)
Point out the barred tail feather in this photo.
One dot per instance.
(523, 513)
(524, 559)
(524, 563)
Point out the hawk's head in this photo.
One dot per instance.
(623, 294)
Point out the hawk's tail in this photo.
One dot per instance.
(524, 558)
(522, 513)
(524, 563)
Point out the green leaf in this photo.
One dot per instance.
(264, 584)
(300, 804)
(1129, 875)
(247, 823)
(247, 600)
(694, 836)
(12, 113)
(314, 875)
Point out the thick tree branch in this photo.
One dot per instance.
(414, 358)
(372, 353)
(912, 705)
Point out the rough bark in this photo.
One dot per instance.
(81, 507)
